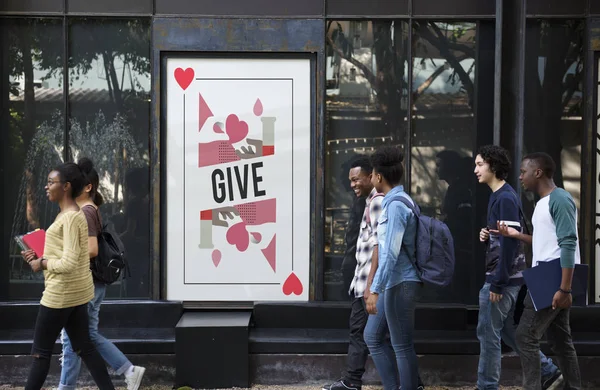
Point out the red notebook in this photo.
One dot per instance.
(36, 240)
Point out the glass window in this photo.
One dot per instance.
(443, 141)
(367, 100)
(32, 140)
(109, 100)
(554, 99)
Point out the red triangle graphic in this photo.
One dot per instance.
(204, 112)
(269, 253)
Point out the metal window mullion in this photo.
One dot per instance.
(66, 154)
(498, 72)
(409, 125)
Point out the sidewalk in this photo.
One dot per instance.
(290, 387)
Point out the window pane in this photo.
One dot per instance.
(109, 97)
(554, 99)
(443, 138)
(32, 140)
(367, 98)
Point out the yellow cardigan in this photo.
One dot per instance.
(68, 279)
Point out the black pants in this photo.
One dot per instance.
(47, 329)
(358, 352)
(531, 328)
(348, 269)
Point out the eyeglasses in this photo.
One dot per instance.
(50, 182)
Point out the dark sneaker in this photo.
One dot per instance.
(555, 382)
(420, 387)
(342, 385)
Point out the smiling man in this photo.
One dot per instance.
(366, 264)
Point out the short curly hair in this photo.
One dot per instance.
(497, 158)
(387, 161)
(544, 162)
(364, 163)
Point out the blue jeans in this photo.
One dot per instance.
(496, 322)
(396, 312)
(71, 362)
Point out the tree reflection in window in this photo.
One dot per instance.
(367, 106)
(554, 99)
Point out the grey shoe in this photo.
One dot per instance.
(342, 385)
(134, 380)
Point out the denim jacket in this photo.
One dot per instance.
(396, 233)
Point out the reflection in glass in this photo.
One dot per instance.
(554, 99)
(32, 54)
(109, 97)
(442, 180)
(367, 99)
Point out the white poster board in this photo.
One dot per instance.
(237, 179)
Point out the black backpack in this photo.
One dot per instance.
(110, 262)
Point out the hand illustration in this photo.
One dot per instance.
(247, 152)
(225, 213)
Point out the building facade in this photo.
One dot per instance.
(437, 78)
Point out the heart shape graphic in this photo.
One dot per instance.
(256, 237)
(216, 257)
(238, 235)
(184, 77)
(236, 129)
(292, 285)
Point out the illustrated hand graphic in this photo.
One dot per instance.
(220, 216)
(247, 151)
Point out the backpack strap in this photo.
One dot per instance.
(417, 213)
(412, 207)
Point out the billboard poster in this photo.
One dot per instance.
(237, 178)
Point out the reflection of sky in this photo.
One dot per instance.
(421, 72)
(441, 84)
(95, 78)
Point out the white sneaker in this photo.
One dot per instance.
(134, 379)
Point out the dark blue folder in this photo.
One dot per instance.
(543, 281)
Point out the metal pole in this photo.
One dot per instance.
(498, 72)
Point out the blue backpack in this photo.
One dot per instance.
(435, 249)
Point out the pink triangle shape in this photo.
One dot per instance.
(204, 112)
(269, 253)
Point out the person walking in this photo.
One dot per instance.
(68, 283)
(89, 201)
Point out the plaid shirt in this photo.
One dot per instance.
(367, 240)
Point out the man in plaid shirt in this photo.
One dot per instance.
(366, 258)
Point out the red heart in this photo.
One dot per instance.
(238, 235)
(184, 77)
(236, 129)
(292, 285)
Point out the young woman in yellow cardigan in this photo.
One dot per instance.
(68, 282)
